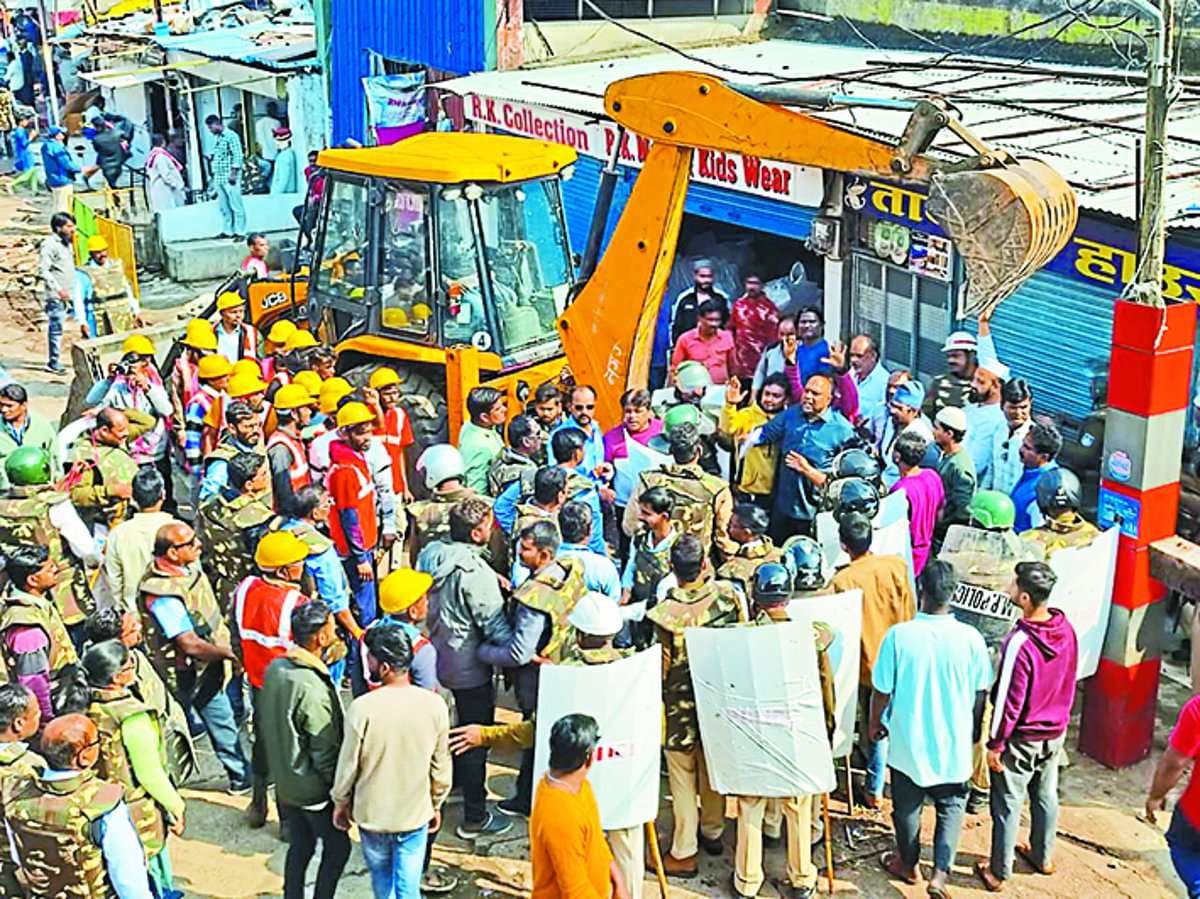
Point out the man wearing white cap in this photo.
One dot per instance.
(597, 620)
(952, 387)
(985, 415)
(956, 469)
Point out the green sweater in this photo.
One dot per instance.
(299, 707)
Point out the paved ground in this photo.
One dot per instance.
(1103, 849)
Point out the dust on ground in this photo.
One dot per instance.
(1103, 849)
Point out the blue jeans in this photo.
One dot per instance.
(950, 805)
(1029, 769)
(233, 210)
(1184, 842)
(55, 310)
(874, 752)
(222, 728)
(395, 861)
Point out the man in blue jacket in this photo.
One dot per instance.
(61, 169)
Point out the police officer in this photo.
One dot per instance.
(1058, 499)
(36, 644)
(748, 529)
(805, 561)
(519, 460)
(102, 469)
(33, 512)
(20, 719)
(230, 528)
(649, 561)
(699, 600)
(262, 612)
(72, 832)
(853, 496)
(772, 590)
(242, 434)
(444, 472)
(701, 503)
(539, 629)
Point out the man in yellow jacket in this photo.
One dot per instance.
(758, 468)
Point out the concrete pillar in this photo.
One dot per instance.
(1139, 491)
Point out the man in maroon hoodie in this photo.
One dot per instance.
(1031, 706)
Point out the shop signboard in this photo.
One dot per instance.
(589, 136)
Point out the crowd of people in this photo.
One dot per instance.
(234, 540)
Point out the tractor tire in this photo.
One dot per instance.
(425, 402)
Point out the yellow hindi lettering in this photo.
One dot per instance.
(1101, 262)
(1177, 280)
(891, 199)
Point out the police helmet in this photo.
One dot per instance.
(27, 466)
(772, 583)
(804, 560)
(1058, 492)
(854, 495)
(992, 510)
(856, 463)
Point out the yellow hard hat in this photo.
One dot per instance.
(353, 414)
(299, 340)
(332, 392)
(421, 311)
(281, 331)
(241, 384)
(244, 367)
(293, 396)
(214, 366)
(309, 380)
(279, 548)
(139, 344)
(395, 318)
(96, 244)
(403, 587)
(228, 300)
(383, 377)
(200, 335)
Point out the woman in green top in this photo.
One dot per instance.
(132, 752)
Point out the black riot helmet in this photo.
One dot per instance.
(1058, 492)
(805, 562)
(854, 495)
(856, 463)
(772, 584)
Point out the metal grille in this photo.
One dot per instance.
(908, 315)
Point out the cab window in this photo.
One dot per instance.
(404, 270)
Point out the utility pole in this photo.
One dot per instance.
(1151, 234)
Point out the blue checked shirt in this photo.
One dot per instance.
(226, 155)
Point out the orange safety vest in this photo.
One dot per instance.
(263, 612)
(392, 434)
(298, 472)
(351, 487)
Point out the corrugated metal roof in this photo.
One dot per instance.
(1086, 123)
(262, 44)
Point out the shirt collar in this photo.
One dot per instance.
(302, 656)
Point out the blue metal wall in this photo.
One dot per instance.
(433, 33)
(1048, 330)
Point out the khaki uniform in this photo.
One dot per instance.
(53, 824)
(1067, 530)
(181, 673)
(18, 763)
(711, 603)
(109, 710)
(94, 467)
(151, 689)
(757, 814)
(511, 466)
(429, 519)
(740, 569)
(555, 590)
(23, 609)
(702, 507)
(25, 519)
(112, 298)
(229, 531)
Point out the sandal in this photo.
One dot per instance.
(983, 870)
(938, 892)
(1026, 852)
(891, 862)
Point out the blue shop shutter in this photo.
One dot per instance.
(750, 211)
(1047, 331)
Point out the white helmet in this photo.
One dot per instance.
(440, 463)
(596, 615)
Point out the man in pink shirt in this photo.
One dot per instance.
(753, 321)
(707, 344)
(925, 493)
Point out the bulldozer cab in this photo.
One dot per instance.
(443, 240)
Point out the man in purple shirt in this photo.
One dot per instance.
(924, 491)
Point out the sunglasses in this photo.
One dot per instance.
(583, 407)
(191, 542)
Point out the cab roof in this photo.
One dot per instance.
(453, 157)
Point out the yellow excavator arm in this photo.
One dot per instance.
(1007, 218)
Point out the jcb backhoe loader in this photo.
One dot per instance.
(446, 241)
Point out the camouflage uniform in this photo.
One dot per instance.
(182, 673)
(111, 296)
(25, 519)
(230, 530)
(150, 688)
(711, 603)
(1067, 530)
(93, 467)
(511, 466)
(946, 390)
(554, 591)
(740, 569)
(23, 609)
(430, 518)
(53, 823)
(702, 505)
(651, 563)
(109, 710)
(18, 763)
(226, 449)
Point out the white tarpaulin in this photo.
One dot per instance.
(758, 701)
(625, 698)
(627, 471)
(842, 613)
(1084, 593)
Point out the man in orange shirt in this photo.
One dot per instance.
(570, 858)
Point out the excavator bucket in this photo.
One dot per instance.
(1006, 223)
